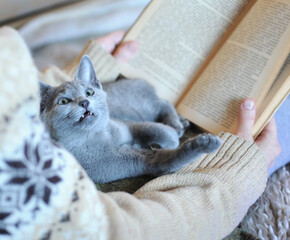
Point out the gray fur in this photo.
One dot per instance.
(115, 141)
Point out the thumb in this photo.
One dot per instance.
(125, 51)
(110, 41)
(246, 119)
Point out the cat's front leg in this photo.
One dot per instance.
(164, 161)
(147, 133)
(169, 116)
(194, 148)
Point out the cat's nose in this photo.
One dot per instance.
(84, 103)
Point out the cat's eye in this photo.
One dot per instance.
(89, 92)
(63, 101)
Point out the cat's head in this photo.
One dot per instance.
(75, 107)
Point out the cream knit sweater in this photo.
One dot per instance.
(205, 200)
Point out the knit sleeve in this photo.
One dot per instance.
(104, 63)
(205, 200)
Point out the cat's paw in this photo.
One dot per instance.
(170, 139)
(204, 143)
(184, 122)
(160, 136)
(178, 125)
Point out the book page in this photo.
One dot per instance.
(175, 38)
(245, 66)
(274, 98)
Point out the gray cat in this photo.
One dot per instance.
(111, 134)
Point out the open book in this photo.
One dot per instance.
(205, 56)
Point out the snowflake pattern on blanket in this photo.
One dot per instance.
(44, 192)
(42, 187)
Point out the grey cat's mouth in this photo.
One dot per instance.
(86, 114)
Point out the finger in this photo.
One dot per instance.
(269, 133)
(271, 163)
(246, 119)
(269, 130)
(268, 139)
(125, 51)
(110, 41)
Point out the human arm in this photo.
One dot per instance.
(205, 200)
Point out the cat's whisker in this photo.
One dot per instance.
(74, 114)
(99, 105)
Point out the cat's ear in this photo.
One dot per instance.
(44, 88)
(86, 73)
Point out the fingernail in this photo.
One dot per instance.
(248, 104)
(132, 46)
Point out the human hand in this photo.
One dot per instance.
(123, 52)
(267, 141)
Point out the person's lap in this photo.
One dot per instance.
(282, 117)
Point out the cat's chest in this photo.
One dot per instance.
(119, 134)
(98, 143)
(90, 148)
